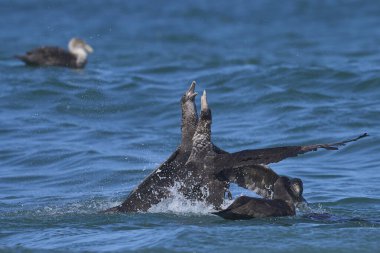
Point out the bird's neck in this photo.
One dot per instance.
(188, 126)
(80, 54)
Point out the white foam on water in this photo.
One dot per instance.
(177, 203)
(305, 209)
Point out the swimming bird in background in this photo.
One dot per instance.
(75, 57)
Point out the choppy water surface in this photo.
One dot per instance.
(75, 142)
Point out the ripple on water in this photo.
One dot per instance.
(76, 142)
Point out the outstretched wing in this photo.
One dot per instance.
(271, 155)
(257, 178)
(153, 188)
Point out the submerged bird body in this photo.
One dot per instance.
(287, 194)
(244, 208)
(75, 57)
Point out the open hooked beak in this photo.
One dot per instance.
(191, 92)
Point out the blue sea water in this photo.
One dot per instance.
(75, 142)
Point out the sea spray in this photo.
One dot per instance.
(177, 203)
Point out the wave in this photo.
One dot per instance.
(354, 200)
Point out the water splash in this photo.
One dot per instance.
(177, 203)
(306, 209)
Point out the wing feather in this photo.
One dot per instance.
(272, 155)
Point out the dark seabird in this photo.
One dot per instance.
(207, 174)
(286, 196)
(198, 179)
(75, 57)
(245, 168)
(154, 187)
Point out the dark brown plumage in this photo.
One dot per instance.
(257, 178)
(154, 187)
(273, 155)
(287, 194)
(50, 56)
(205, 171)
(247, 168)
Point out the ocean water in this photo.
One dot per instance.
(75, 142)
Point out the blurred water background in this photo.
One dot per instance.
(75, 142)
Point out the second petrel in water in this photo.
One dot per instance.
(76, 57)
(287, 194)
